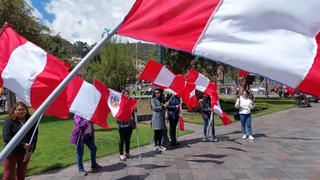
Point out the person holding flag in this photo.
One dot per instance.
(18, 116)
(125, 131)
(158, 107)
(173, 117)
(245, 105)
(205, 104)
(83, 133)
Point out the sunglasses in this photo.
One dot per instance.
(157, 92)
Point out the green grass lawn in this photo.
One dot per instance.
(263, 106)
(54, 149)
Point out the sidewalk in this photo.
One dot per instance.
(287, 146)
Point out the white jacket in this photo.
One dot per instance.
(245, 105)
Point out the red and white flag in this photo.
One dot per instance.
(188, 96)
(162, 77)
(276, 39)
(225, 119)
(120, 106)
(31, 73)
(289, 90)
(242, 73)
(202, 83)
(215, 105)
(87, 101)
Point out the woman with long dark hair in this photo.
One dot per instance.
(20, 156)
(158, 107)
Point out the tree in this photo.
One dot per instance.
(114, 66)
(20, 15)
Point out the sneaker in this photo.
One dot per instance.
(83, 172)
(251, 137)
(214, 140)
(128, 156)
(204, 139)
(122, 157)
(162, 148)
(157, 148)
(96, 166)
(244, 136)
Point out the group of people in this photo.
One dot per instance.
(83, 133)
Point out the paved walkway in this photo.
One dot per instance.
(287, 146)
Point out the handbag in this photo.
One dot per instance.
(236, 116)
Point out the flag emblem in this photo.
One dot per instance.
(114, 101)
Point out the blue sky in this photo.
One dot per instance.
(40, 6)
(80, 20)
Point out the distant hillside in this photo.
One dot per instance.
(144, 51)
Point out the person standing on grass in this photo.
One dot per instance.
(158, 118)
(83, 134)
(18, 158)
(245, 105)
(125, 132)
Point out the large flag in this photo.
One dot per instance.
(31, 73)
(121, 107)
(87, 101)
(162, 77)
(278, 39)
(202, 83)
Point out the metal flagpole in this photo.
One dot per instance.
(33, 119)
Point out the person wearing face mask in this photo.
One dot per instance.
(158, 107)
(245, 105)
(18, 158)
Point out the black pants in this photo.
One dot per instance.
(125, 136)
(173, 132)
(157, 137)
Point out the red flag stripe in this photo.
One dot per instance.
(174, 15)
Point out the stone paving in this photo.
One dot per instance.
(287, 146)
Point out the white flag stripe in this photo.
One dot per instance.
(86, 101)
(114, 101)
(202, 83)
(274, 38)
(164, 78)
(217, 109)
(25, 63)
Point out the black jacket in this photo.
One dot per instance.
(10, 128)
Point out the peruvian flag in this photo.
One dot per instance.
(31, 73)
(289, 90)
(162, 77)
(87, 101)
(276, 39)
(215, 105)
(225, 119)
(121, 107)
(242, 73)
(181, 121)
(188, 96)
(202, 83)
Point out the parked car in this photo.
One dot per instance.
(259, 90)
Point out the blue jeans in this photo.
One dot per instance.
(205, 127)
(246, 122)
(89, 141)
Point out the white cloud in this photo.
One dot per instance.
(83, 20)
(35, 11)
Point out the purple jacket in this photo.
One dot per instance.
(80, 125)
